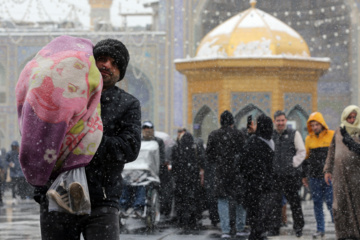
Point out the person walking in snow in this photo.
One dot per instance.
(256, 166)
(186, 173)
(120, 143)
(342, 171)
(223, 147)
(317, 144)
(289, 155)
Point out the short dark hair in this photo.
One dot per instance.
(181, 130)
(279, 113)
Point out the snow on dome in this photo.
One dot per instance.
(252, 33)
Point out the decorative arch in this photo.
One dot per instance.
(297, 118)
(204, 122)
(241, 116)
(142, 89)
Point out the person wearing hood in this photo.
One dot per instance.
(3, 169)
(342, 169)
(317, 144)
(223, 146)
(186, 174)
(18, 182)
(256, 166)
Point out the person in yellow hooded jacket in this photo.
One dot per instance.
(317, 144)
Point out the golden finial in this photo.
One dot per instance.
(253, 3)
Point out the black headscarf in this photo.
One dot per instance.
(226, 119)
(264, 127)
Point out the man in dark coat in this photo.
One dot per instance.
(224, 145)
(3, 168)
(121, 116)
(256, 166)
(186, 169)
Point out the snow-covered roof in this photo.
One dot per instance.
(252, 33)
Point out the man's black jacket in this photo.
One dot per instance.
(121, 116)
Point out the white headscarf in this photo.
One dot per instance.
(352, 129)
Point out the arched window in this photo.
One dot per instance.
(205, 121)
(297, 118)
(242, 115)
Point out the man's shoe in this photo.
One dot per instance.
(318, 235)
(298, 233)
(225, 236)
(242, 234)
(274, 232)
(61, 197)
(137, 213)
(77, 196)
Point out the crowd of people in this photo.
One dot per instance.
(243, 177)
(249, 176)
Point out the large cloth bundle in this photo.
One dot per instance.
(58, 102)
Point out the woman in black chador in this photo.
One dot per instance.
(255, 165)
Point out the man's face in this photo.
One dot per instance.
(148, 132)
(252, 128)
(316, 127)
(15, 148)
(108, 70)
(351, 118)
(280, 123)
(179, 133)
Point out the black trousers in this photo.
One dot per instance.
(288, 186)
(186, 205)
(19, 187)
(259, 209)
(166, 191)
(103, 223)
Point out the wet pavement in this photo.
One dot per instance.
(21, 221)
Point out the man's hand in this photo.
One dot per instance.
(202, 177)
(305, 182)
(11, 164)
(328, 178)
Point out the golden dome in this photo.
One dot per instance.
(252, 33)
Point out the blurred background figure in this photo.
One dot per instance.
(289, 154)
(3, 170)
(185, 168)
(317, 144)
(223, 147)
(256, 166)
(342, 171)
(166, 185)
(18, 182)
